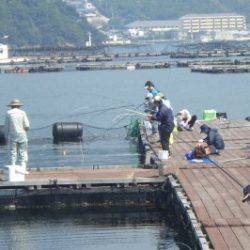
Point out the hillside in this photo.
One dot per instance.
(41, 22)
(122, 12)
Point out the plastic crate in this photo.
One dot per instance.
(209, 115)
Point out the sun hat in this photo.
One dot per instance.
(15, 103)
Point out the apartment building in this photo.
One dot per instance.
(195, 23)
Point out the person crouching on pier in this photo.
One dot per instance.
(165, 117)
(213, 139)
(185, 120)
(16, 127)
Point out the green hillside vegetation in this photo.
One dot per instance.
(122, 12)
(41, 22)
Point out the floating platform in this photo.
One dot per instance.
(40, 69)
(210, 53)
(190, 63)
(124, 66)
(218, 69)
(214, 197)
(204, 197)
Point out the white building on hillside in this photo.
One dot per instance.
(4, 51)
(154, 27)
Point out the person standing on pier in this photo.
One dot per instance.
(149, 103)
(16, 127)
(165, 117)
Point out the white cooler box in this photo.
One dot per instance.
(14, 173)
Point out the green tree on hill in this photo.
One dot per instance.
(42, 22)
(123, 12)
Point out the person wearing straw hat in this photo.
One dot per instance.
(16, 127)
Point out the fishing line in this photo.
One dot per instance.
(104, 128)
(101, 110)
(82, 150)
(93, 112)
(216, 164)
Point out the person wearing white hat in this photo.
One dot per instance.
(165, 117)
(16, 127)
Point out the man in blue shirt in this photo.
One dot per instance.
(165, 117)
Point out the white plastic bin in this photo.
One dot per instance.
(14, 173)
(163, 154)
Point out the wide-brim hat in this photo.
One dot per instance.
(15, 103)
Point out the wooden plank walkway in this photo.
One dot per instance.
(215, 197)
(82, 176)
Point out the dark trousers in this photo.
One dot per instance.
(164, 136)
(192, 121)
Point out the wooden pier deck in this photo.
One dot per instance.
(215, 197)
(67, 176)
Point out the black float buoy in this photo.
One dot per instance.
(67, 132)
(248, 119)
(3, 140)
(221, 115)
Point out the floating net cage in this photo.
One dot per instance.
(107, 145)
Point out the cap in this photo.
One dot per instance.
(204, 128)
(157, 98)
(148, 83)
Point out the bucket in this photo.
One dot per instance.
(14, 173)
(163, 154)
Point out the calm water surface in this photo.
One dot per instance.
(67, 96)
(78, 229)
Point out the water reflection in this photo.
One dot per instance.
(96, 229)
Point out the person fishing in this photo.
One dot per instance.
(185, 121)
(165, 117)
(149, 105)
(151, 88)
(213, 139)
(16, 127)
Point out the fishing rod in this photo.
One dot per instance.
(97, 111)
(137, 112)
(216, 164)
(102, 110)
